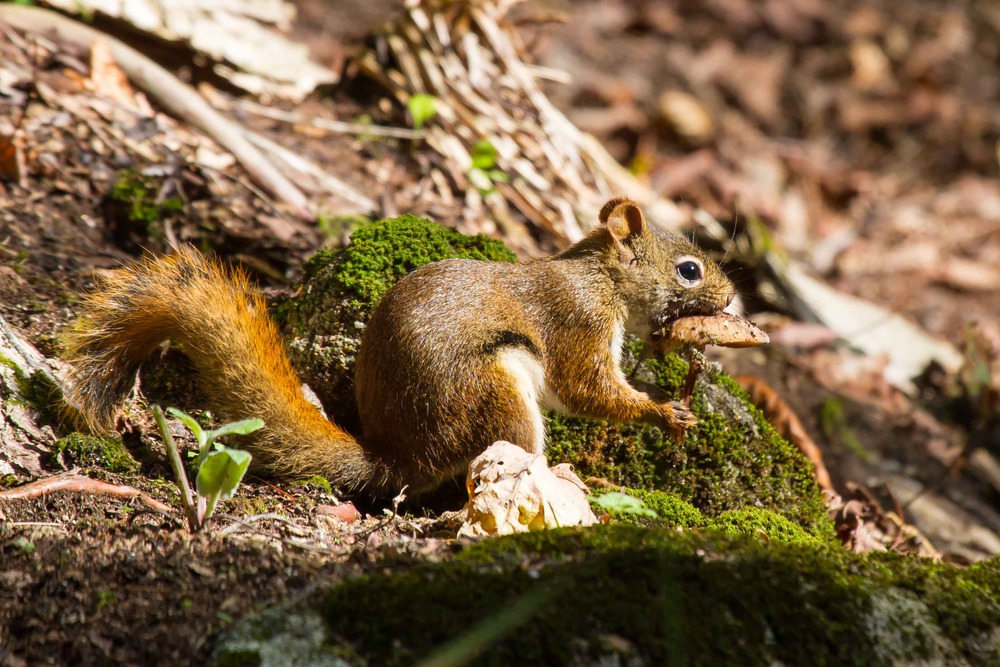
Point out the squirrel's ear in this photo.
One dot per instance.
(623, 218)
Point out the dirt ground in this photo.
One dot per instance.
(862, 136)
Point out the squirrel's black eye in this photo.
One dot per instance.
(689, 271)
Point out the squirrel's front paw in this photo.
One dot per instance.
(677, 419)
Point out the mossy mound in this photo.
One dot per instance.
(628, 595)
(324, 322)
(78, 449)
(672, 511)
(759, 524)
(732, 459)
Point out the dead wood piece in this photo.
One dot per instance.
(23, 440)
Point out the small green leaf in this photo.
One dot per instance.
(498, 176)
(235, 428)
(620, 503)
(222, 471)
(422, 108)
(192, 425)
(484, 155)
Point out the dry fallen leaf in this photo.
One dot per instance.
(514, 491)
(108, 80)
(687, 116)
(13, 166)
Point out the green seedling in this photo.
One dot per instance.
(621, 503)
(220, 468)
(422, 108)
(484, 174)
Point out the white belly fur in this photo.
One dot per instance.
(529, 378)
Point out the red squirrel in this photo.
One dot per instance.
(457, 355)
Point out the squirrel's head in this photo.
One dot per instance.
(661, 276)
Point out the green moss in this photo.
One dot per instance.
(674, 512)
(671, 510)
(8, 481)
(761, 524)
(44, 395)
(667, 598)
(315, 482)
(244, 505)
(138, 198)
(731, 459)
(19, 261)
(89, 451)
(37, 391)
(383, 252)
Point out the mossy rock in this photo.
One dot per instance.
(628, 595)
(324, 322)
(732, 459)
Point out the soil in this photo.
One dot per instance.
(888, 187)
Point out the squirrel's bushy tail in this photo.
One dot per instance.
(221, 323)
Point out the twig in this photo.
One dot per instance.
(80, 483)
(174, 95)
(37, 524)
(246, 522)
(304, 166)
(327, 124)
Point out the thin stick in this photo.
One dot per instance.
(328, 124)
(304, 166)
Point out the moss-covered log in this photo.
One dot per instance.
(642, 596)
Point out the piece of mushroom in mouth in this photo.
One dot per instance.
(721, 329)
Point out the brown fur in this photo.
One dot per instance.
(445, 362)
(221, 322)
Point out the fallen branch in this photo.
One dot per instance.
(295, 162)
(171, 93)
(328, 124)
(81, 484)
